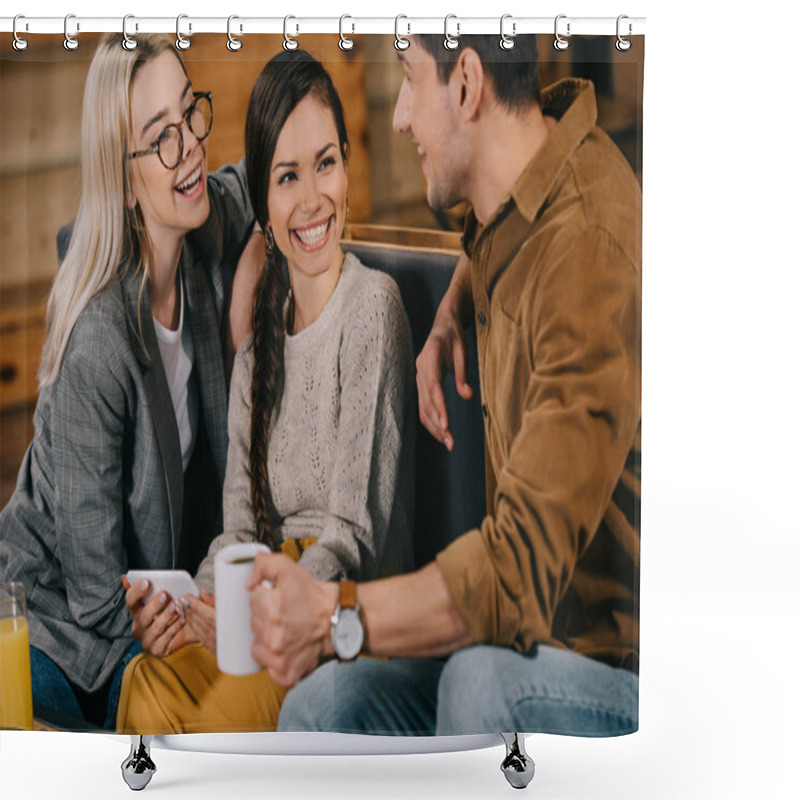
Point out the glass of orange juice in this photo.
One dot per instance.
(16, 704)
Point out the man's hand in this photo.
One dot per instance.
(445, 350)
(292, 620)
(157, 624)
(201, 619)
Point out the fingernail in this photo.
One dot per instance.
(143, 584)
(162, 597)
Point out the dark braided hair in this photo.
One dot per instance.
(283, 83)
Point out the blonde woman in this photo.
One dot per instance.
(128, 458)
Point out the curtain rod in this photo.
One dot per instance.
(454, 25)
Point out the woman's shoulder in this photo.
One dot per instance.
(376, 309)
(229, 179)
(229, 201)
(371, 287)
(101, 330)
(243, 360)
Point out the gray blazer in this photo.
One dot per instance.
(100, 490)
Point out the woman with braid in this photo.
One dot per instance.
(321, 420)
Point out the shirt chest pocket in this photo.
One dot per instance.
(508, 370)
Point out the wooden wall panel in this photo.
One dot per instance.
(32, 209)
(21, 340)
(396, 179)
(40, 115)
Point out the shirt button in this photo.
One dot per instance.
(485, 411)
(482, 318)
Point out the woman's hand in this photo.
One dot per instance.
(158, 623)
(201, 619)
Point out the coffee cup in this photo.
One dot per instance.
(232, 567)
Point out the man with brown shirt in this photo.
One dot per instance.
(540, 604)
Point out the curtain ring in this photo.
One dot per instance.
(233, 44)
(345, 42)
(128, 42)
(560, 42)
(623, 44)
(451, 42)
(400, 42)
(182, 43)
(70, 42)
(507, 42)
(289, 43)
(19, 43)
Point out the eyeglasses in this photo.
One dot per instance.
(169, 145)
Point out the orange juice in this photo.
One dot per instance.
(16, 705)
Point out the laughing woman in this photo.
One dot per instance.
(322, 410)
(127, 462)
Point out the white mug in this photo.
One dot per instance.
(232, 567)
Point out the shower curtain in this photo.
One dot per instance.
(531, 524)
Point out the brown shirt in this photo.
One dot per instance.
(556, 277)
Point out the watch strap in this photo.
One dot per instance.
(347, 594)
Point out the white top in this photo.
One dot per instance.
(177, 356)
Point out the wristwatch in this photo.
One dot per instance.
(347, 631)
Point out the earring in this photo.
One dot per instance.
(269, 238)
(346, 207)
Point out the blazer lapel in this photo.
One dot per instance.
(156, 389)
(208, 360)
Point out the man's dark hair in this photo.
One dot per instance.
(514, 73)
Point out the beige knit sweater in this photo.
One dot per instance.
(341, 449)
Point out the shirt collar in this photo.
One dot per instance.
(572, 103)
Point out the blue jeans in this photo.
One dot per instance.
(396, 697)
(52, 689)
(479, 689)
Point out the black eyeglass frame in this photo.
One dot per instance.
(178, 126)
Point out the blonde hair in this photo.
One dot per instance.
(106, 236)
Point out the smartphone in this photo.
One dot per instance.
(175, 582)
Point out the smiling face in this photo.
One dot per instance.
(425, 110)
(172, 202)
(308, 193)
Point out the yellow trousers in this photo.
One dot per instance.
(185, 692)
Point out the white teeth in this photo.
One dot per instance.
(311, 236)
(190, 181)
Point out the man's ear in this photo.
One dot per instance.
(470, 83)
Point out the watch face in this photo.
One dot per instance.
(348, 634)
